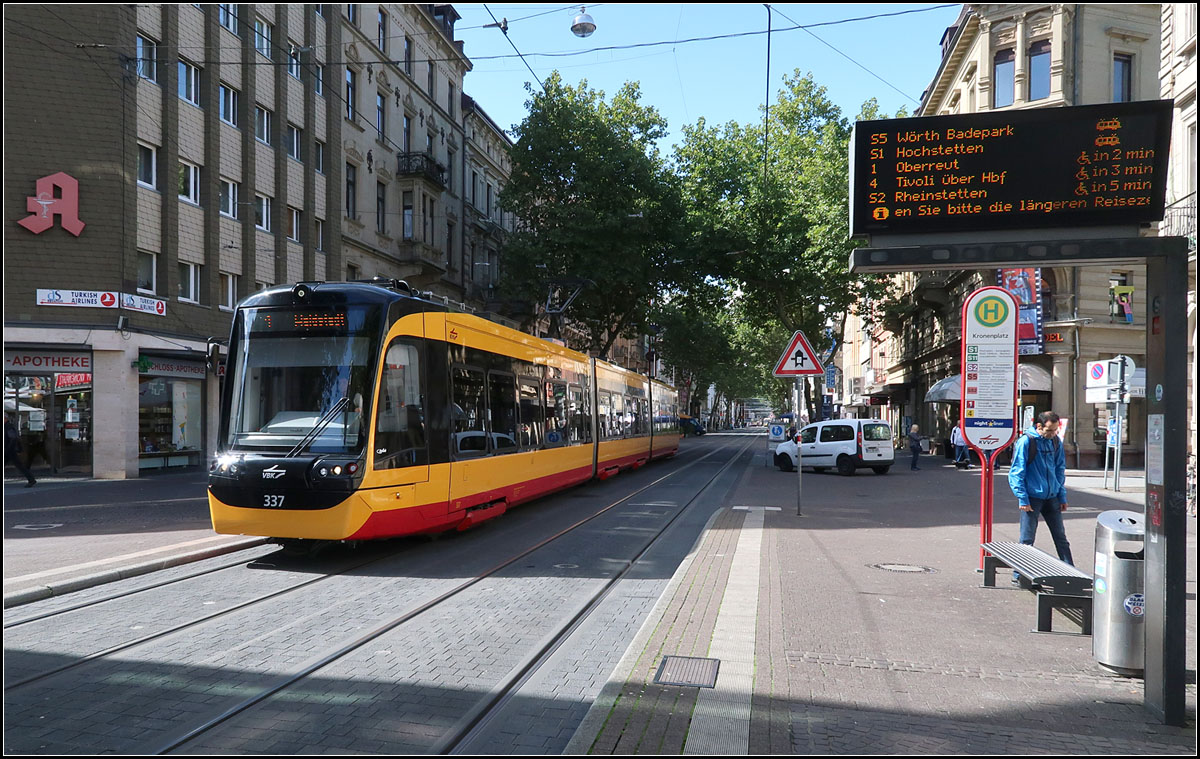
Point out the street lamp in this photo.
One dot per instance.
(584, 25)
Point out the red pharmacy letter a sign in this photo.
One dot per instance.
(44, 206)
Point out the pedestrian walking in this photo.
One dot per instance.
(914, 445)
(1038, 478)
(962, 458)
(12, 447)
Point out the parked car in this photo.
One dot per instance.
(847, 444)
(691, 426)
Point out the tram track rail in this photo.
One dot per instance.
(485, 709)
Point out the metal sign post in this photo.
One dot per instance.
(798, 361)
(988, 415)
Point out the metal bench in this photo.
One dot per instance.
(1058, 585)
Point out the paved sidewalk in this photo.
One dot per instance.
(870, 633)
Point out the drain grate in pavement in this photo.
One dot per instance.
(902, 568)
(688, 671)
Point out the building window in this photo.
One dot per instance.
(408, 215)
(189, 83)
(227, 16)
(381, 208)
(1004, 70)
(262, 37)
(351, 86)
(189, 182)
(229, 284)
(380, 114)
(229, 198)
(189, 282)
(147, 165)
(163, 402)
(427, 228)
(1122, 78)
(262, 124)
(352, 13)
(351, 191)
(147, 274)
(450, 100)
(407, 136)
(449, 240)
(352, 272)
(293, 141)
(319, 234)
(294, 219)
(293, 65)
(147, 58)
(262, 212)
(1039, 70)
(319, 79)
(319, 156)
(381, 39)
(430, 81)
(229, 105)
(408, 56)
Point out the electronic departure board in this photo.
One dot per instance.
(1094, 165)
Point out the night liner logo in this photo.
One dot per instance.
(44, 206)
(991, 311)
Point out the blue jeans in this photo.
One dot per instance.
(961, 455)
(1051, 511)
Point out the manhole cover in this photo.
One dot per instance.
(902, 568)
(688, 671)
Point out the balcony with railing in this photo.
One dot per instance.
(1179, 220)
(421, 165)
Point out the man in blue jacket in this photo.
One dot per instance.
(1038, 477)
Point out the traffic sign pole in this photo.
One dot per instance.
(798, 361)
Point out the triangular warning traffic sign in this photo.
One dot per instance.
(799, 360)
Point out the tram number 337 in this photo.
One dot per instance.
(273, 501)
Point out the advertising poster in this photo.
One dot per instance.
(1026, 286)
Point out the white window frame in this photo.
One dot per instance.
(293, 65)
(147, 58)
(262, 212)
(319, 79)
(153, 272)
(382, 38)
(294, 140)
(319, 234)
(233, 194)
(264, 33)
(262, 124)
(319, 157)
(190, 193)
(153, 183)
(227, 16)
(229, 283)
(295, 219)
(229, 105)
(191, 289)
(189, 82)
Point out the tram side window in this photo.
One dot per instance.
(616, 417)
(469, 412)
(400, 424)
(531, 415)
(602, 415)
(557, 409)
(581, 420)
(502, 408)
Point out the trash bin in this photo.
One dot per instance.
(1118, 602)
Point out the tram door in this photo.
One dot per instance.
(401, 443)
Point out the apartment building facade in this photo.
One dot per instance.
(165, 161)
(1012, 57)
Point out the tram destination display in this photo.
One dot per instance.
(1095, 165)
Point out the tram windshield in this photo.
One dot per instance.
(291, 369)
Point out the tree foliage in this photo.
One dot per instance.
(594, 200)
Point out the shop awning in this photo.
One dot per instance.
(1032, 378)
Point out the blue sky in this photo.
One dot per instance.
(721, 80)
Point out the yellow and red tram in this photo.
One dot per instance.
(357, 411)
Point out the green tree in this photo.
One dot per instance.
(594, 200)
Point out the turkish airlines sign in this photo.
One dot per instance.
(101, 299)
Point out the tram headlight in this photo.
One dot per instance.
(226, 464)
